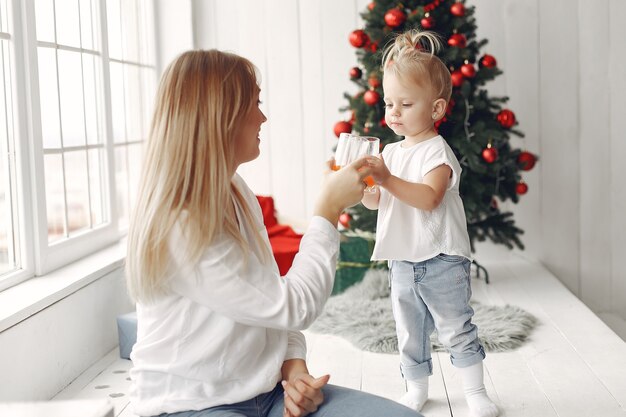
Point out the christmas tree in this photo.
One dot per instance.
(477, 126)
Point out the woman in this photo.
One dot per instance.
(218, 328)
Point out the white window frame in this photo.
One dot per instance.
(55, 255)
(22, 152)
(37, 255)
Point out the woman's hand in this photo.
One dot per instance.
(303, 394)
(341, 189)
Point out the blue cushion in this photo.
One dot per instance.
(127, 333)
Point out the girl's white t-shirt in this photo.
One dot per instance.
(406, 233)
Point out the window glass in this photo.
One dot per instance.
(44, 17)
(9, 223)
(49, 98)
(67, 19)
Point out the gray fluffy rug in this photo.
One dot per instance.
(362, 315)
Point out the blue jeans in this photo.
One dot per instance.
(428, 295)
(338, 402)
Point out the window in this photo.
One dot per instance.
(11, 253)
(90, 79)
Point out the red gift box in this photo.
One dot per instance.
(284, 240)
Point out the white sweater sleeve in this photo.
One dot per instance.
(296, 346)
(254, 294)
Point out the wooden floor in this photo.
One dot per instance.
(573, 365)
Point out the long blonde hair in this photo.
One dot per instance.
(412, 54)
(188, 165)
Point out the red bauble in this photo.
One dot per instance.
(342, 127)
(383, 123)
(359, 38)
(526, 160)
(395, 18)
(487, 61)
(457, 78)
(371, 5)
(373, 47)
(355, 72)
(457, 9)
(428, 22)
(450, 106)
(371, 97)
(490, 154)
(506, 118)
(374, 82)
(468, 70)
(521, 188)
(458, 40)
(344, 220)
(432, 5)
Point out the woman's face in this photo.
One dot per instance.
(247, 140)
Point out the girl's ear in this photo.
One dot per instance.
(439, 109)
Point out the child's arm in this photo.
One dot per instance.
(370, 200)
(425, 196)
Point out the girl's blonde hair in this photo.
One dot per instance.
(188, 166)
(412, 55)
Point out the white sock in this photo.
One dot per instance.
(416, 395)
(479, 403)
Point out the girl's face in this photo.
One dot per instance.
(247, 140)
(409, 109)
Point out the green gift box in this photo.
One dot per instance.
(353, 261)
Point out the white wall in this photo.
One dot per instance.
(302, 52)
(44, 353)
(563, 71)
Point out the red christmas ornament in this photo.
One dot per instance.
(342, 127)
(490, 154)
(355, 72)
(458, 40)
(521, 188)
(344, 220)
(373, 47)
(359, 38)
(374, 82)
(383, 123)
(506, 118)
(450, 106)
(371, 6)
(395, 18)
(428, 22)
(526, 160)
(468, 70)
(432, 5)
(457, 9)
(371, 97)
(487, 61)
(457, 78)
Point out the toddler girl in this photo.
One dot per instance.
(421, 226)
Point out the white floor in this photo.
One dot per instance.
(573, 366)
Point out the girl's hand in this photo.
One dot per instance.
(380, 172)
(303, 394)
